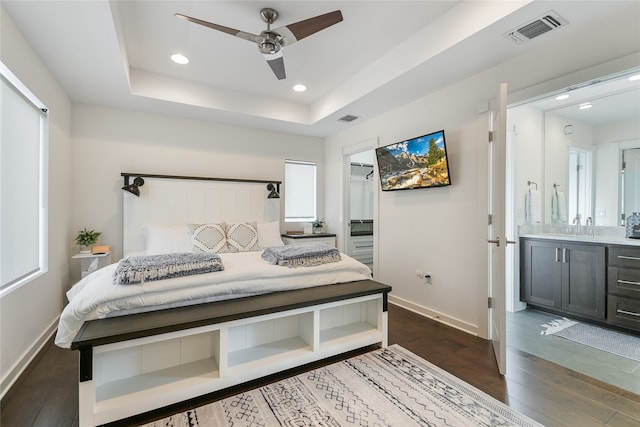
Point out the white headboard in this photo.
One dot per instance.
(181, 201)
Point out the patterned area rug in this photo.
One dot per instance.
(386, 387)
(619, 343)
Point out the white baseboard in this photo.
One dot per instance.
(434, 315)
(18, 368)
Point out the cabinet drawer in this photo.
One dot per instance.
(361, 247)
(624, 281)
(623, 311)
(624, 256)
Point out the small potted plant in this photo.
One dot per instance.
(86, 239)
(318, 226)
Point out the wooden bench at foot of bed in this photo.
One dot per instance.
(137, 363)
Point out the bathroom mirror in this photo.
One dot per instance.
(586, 134)
(629, 180)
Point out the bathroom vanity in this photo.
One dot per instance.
(594, 278)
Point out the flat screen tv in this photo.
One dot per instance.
(419, 162)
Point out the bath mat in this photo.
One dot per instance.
(625, 345)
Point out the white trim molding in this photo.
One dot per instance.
(13, 374)
(434, 315)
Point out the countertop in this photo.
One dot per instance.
(605, 239)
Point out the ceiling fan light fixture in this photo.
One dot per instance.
(299, 87)
(179, 59)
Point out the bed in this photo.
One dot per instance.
(147, 345)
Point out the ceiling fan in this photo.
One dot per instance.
(270, 42)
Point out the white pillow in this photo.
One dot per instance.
(164, 239)
(269, 234)
(209, 238)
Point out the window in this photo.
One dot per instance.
(300, 188)
(23, 178)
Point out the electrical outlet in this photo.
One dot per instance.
(427, 279)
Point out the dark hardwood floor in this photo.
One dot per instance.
(47, 394)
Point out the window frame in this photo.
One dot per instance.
(43, 154)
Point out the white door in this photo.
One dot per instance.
(497, 231)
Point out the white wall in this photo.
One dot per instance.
(526, 127)
(29, 314)
(443, 230)
(109, 141)
(435, 230)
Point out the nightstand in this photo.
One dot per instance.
(87, 262)
(302, 239)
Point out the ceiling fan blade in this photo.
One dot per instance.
(241, 34)
(276, 62)
(298, 30)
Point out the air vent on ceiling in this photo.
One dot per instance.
(543, 24)
(347, 118)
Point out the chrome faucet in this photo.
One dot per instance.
(589, 224)
(576, 222)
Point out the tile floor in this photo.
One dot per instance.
(523, 333)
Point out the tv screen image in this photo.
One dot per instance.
(420, 162)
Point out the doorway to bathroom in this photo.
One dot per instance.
(571, 150)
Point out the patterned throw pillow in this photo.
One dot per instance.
(209, 238)
(242, 237)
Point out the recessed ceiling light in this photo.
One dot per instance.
(179, 59)
(299, 87)
(634, 77)
(585, 106)
(562, 97)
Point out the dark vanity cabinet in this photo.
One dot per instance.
(564, 276)
(540, 273)
(623, 286)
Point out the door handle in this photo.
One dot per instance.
(497, 241)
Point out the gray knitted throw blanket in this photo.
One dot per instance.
(140, 269)
(301, 255)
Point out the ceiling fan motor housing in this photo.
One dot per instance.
(270, 42)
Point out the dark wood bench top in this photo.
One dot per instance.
(117, 329)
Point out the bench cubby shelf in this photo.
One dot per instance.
(137, 371)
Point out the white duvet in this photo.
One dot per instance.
(245, 273)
